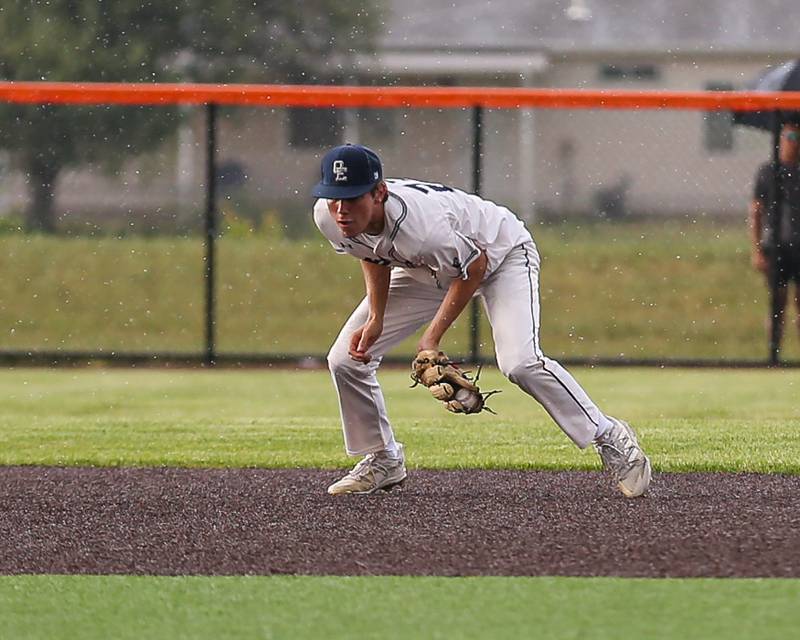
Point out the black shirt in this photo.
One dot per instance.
(779, 228)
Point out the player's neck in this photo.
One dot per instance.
(377, 221)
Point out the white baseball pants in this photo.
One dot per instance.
(511, 299)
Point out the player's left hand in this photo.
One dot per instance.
(448, 383)
(427, 344)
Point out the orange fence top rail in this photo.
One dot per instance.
(85, 93)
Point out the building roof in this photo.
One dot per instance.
(593, 25)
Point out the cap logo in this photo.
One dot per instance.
(340, 171)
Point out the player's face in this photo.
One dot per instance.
(357, 215)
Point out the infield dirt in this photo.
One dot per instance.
(252, 521)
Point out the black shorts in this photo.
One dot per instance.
(785, 267)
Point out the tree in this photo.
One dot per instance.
(148, 41)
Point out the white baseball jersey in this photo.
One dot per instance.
(433, 231)
(432, 234)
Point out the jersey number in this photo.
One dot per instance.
(425, 187)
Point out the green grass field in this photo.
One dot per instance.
(644, 290)
(691, 420)
(687, 419)
(119, 607)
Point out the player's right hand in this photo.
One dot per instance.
(362, 339)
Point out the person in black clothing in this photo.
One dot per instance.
(775, 228)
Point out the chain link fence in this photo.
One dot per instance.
(640, 217)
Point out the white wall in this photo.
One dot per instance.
(662, 152)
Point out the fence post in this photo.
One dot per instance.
(210, 231)
(477, 171)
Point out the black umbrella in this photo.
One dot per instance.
(784, 77)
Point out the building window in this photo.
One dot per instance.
(718, 125)
(624, 72)
(315, 128)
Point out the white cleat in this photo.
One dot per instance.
(623, 457)
(375, 472)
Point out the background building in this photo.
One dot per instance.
(548, 163)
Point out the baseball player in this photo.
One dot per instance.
(426, 249)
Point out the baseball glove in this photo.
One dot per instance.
(447, 383)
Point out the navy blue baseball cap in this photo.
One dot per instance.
(348, 171)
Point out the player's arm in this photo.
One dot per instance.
(456, 298)
(376, 280)
(756, 215)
